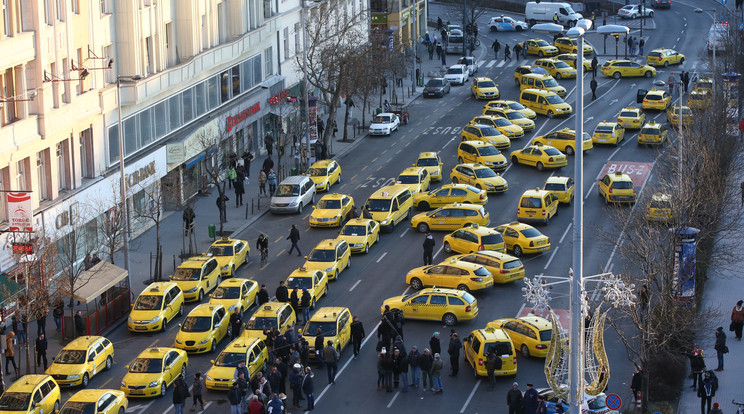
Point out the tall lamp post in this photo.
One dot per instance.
(576, 342)
(715, 46)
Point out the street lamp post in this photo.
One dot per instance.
(305, 95)
(715, 46)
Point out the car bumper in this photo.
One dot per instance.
(439, 94)
(217, 385)
(144, 327)
(145, 392)
(630, 125)
(334, 223)
(508, 277)
(480, 285)
(656, 106)
(497, 188)
(488, 95)
(379, 132)
(536, 249)
(621, 198)
(283, 209)
(556, 164)
(356, 248)
(321, 187)
(195, 349)
(68, 383)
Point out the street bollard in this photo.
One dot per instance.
(246, 211)
(259, 204)
(252, 201)
(174, 261)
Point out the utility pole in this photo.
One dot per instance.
(305, 94)
(466, 35)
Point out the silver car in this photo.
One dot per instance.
(293, 194)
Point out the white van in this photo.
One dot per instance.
(717, 37)
(544, 12)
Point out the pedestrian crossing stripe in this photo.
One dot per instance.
(491, 63)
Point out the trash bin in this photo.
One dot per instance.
(420, 81)
(212, 231)
(293, 171)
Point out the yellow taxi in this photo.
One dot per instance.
(431, 162)
(157, 305)
(315, 281)
(334, 323)
(617, 188)
(515, 117)
(538, 47)
(653, 133)
(204, 327)
(699, 99)
(570, 59)
(230, 254)
(608, 133)
(100, 401)
(484, 88)
(234, 294)
(542, 82)
(521, 238)
(324, 174)
(359, 234)
(561, 187)
(279, 315)
(153, 371)
(435, 304)
(540, 156)
(658, 99)
(451, 274)
(545, 102)
(537, 205)
(664, 57)
(704, 84)
(485, 133)
(504, 268)
(618, 68)
(331, 210)
(482, 342)
(473, 238)
(451, 217)
(502, 124)
(568, 45)
(631, 118)
(659, 208)
(415, 178)
(521, 71)
(448, 194)
(197, 276)
(530, 334)
(556, 68)
(564, 140)
(513, 105)
(31, 394)
(331, 256)
(482, 153)
(479, 176)
(672, 116)
(251, 350)
(390, 205)
(81, 359)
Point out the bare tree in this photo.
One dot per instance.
(152, 209)
(112, 224)
(216, 164)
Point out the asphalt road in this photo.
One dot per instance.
(435, 126)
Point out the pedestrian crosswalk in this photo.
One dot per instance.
(500, 63)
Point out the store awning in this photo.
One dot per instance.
(93, 282)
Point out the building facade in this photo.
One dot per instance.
(404, 19)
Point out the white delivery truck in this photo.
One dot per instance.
(543, 12)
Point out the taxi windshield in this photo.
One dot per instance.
(489, 131)
(499, 348)
(408, 179)
(78, 407)
(184, 273)
(225, 292)
(552, 151)
(488, 150)
(484, 173)
(197, 324)
(654, 54)
(300, 282)
(317, 172)
(554, 99)
(467, 297)
(147, 366)
(322, 255)
(427, 162)
(329, 204)
(328, 328)
(501, 122)
(514, 115)
(517, 106)
(148, 302)
(229, 359)
(287, 190)
(353, 230)
(70, 356)
(486, 84)
(561, 64)
(381, 120)
(550, 83)
(555, 187)
(221, 251)
(259, 323)
(15, 401)
(542, 43)
(629, 114)
(376, 204)
(530, 233)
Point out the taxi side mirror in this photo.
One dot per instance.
(211, 361)
(413, 165)
(305, 257)
(126, 367)
(167, 367)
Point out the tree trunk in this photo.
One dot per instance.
(346, 117)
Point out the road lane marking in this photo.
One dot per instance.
(278, 240)
(106, 383)
(365, 167)
(520, 309)
(491, 63)
(355, 285)
(354, 177)
(613, 153)
(381, 257)
(438, 251)
(404, 232)
(470, 397)
(565, 233)
(393, 400)
(375, 159)
(551, 258)
(588, 193)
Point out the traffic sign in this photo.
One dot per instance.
(613, 402)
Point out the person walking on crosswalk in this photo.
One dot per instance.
(517, 51)
(496, 46)
(507, 53)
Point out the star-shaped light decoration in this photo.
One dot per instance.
(537, 293)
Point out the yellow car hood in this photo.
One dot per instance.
(65, 369)
(320, 180)
(222, 261)
(499, 180)
(224, 302)
(487, 90)
(319, 265)
(186, 285)
(221, 372)
(326, 213)
(510, 128)
(144, 315)
(137, 378)
(353, 239)
(253, 333)
(192, 336)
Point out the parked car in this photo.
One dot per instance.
(292, 194)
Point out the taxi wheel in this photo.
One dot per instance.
(525, 351)
(514, 160)
(517, 250)
(163, 389)
(551, 114)
(339, 179)
(447, 247)
(86, 379)
(164, 326)
(325, 291)
(366, 248)
(109, 363)
(422, 227)
(56, 406)
(648, 74)
(540, 53)
(299, 209)
(121, 410)
(459, 160)
(377, 240)
(213, 347)
(547, 220)
(519, 28)
(348, 263)
(463, 288)
(423, 205)
(616, 75)
(416, 284)
(180, 310)
(312, 306)
(201, 295)
(449, 319)
(540, 166)
(335, 275)
(682, 60)
(558, 76)
(666, 63)
(232, 272)
(569, 150)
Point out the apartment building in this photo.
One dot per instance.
(404, 19)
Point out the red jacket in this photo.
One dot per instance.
(737, 315)
(254, 407)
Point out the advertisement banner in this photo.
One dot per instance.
(684, 262)
(20, 212)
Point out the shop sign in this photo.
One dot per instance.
(281, 96)
(233, 121)
(20, 211)
(379, 18)
(140, 174)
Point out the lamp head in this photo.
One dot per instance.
(585, 24)
(575, 32)
(551, 28)
(613, 29)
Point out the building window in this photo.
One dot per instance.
(148, 56)
(6, 18)
(80, 88)
(75, 6)
(204, 34)
(41, 176)
(4, 186)
(105, 7)
(298, 44)
(269, 62)
(21, 176)
(286, 43)
(48, 12)
(61, 10)
(110, 75)
(87, 169)
(224, 86)
(8, 90)
(235, 71)
(222, 21)
(61, 154)
(169, 49)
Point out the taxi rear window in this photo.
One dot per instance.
(513, 264)
(622, 185)
(500, 348)
(604, 129)
(630, 114)
(654, 54)
(546, 335)
(650, 131)
(555, 187)
(531, 202)
(467, 297)
(653, 97)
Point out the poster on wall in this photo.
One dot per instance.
(20, 211)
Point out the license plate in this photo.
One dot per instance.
(136, 391)
(140, 328)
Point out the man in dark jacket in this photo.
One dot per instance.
(493, 364)
(357, 335)
(275, 406)
(282, 293)
(247, 158)
(319, 344)
(593, 86)
(388, 368)
(235, 321)
(455, 344)
(305, 302)
(294, 237)
(400, 361)
(188, 218)
(707, 390)
(595, 64)
(720, 347)
(180, 393)
(635, 383)
(514, 399)
(331, 361)
(530, 399)
(697, 366)
(79, 324)
(294, 300)
(262, 296)
(308, 388)
(434, 345)
(428, 248)
(41, 349)
(295, 382)
(275, 378)
(235, 398)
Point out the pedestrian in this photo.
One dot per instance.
(514, 399)
(440, 25)
(271, 179)
(593, 86)
(386, 106)
(671, 81)
(629, 43)
(357, 335)
(308, 388)
(59, 309)
(413, 363)
(517, 51)
(388, 368)
(197, 389)
(239, 191)
(636, 381)
(247, 158)
(737, 318)
(685, 78)
(633, 44)
(400, 360)
(529, 400)
(595, 64)
(41, 350)
(267, 165)
(439, 51)
(230, 176)
(707, 391)
(305, 304)
(496, 46)
(493, 364)
(180, 393)
(262, 296)
(262, 183)
(426, 361)
(507, 53)
(542, 406)
(430, 49)
(555, 20)
(295, 383)
(276, 406)
(380, 369)
(429, 244)
(255, 406)
(716, 407)
(720, 347)
(261, 387)
(282, 293)
(19, 327)
(235, 398)
(79, 324)
(321, 127)
(434, 344)
(41, 320)
(695, 78)
(330, 358)
(262, 244)
(294, 237)
(641, 43)
(436, 374)
(444, 59)
(294, 300)
(275, 377)
(236, 320)
(10, 353)
(221, 202)
(455, 344)
(269, 143)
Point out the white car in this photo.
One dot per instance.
(457, 74)
(454, 27)
(633, 11)
(384, 124)
(506, 24)
(470, 62)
